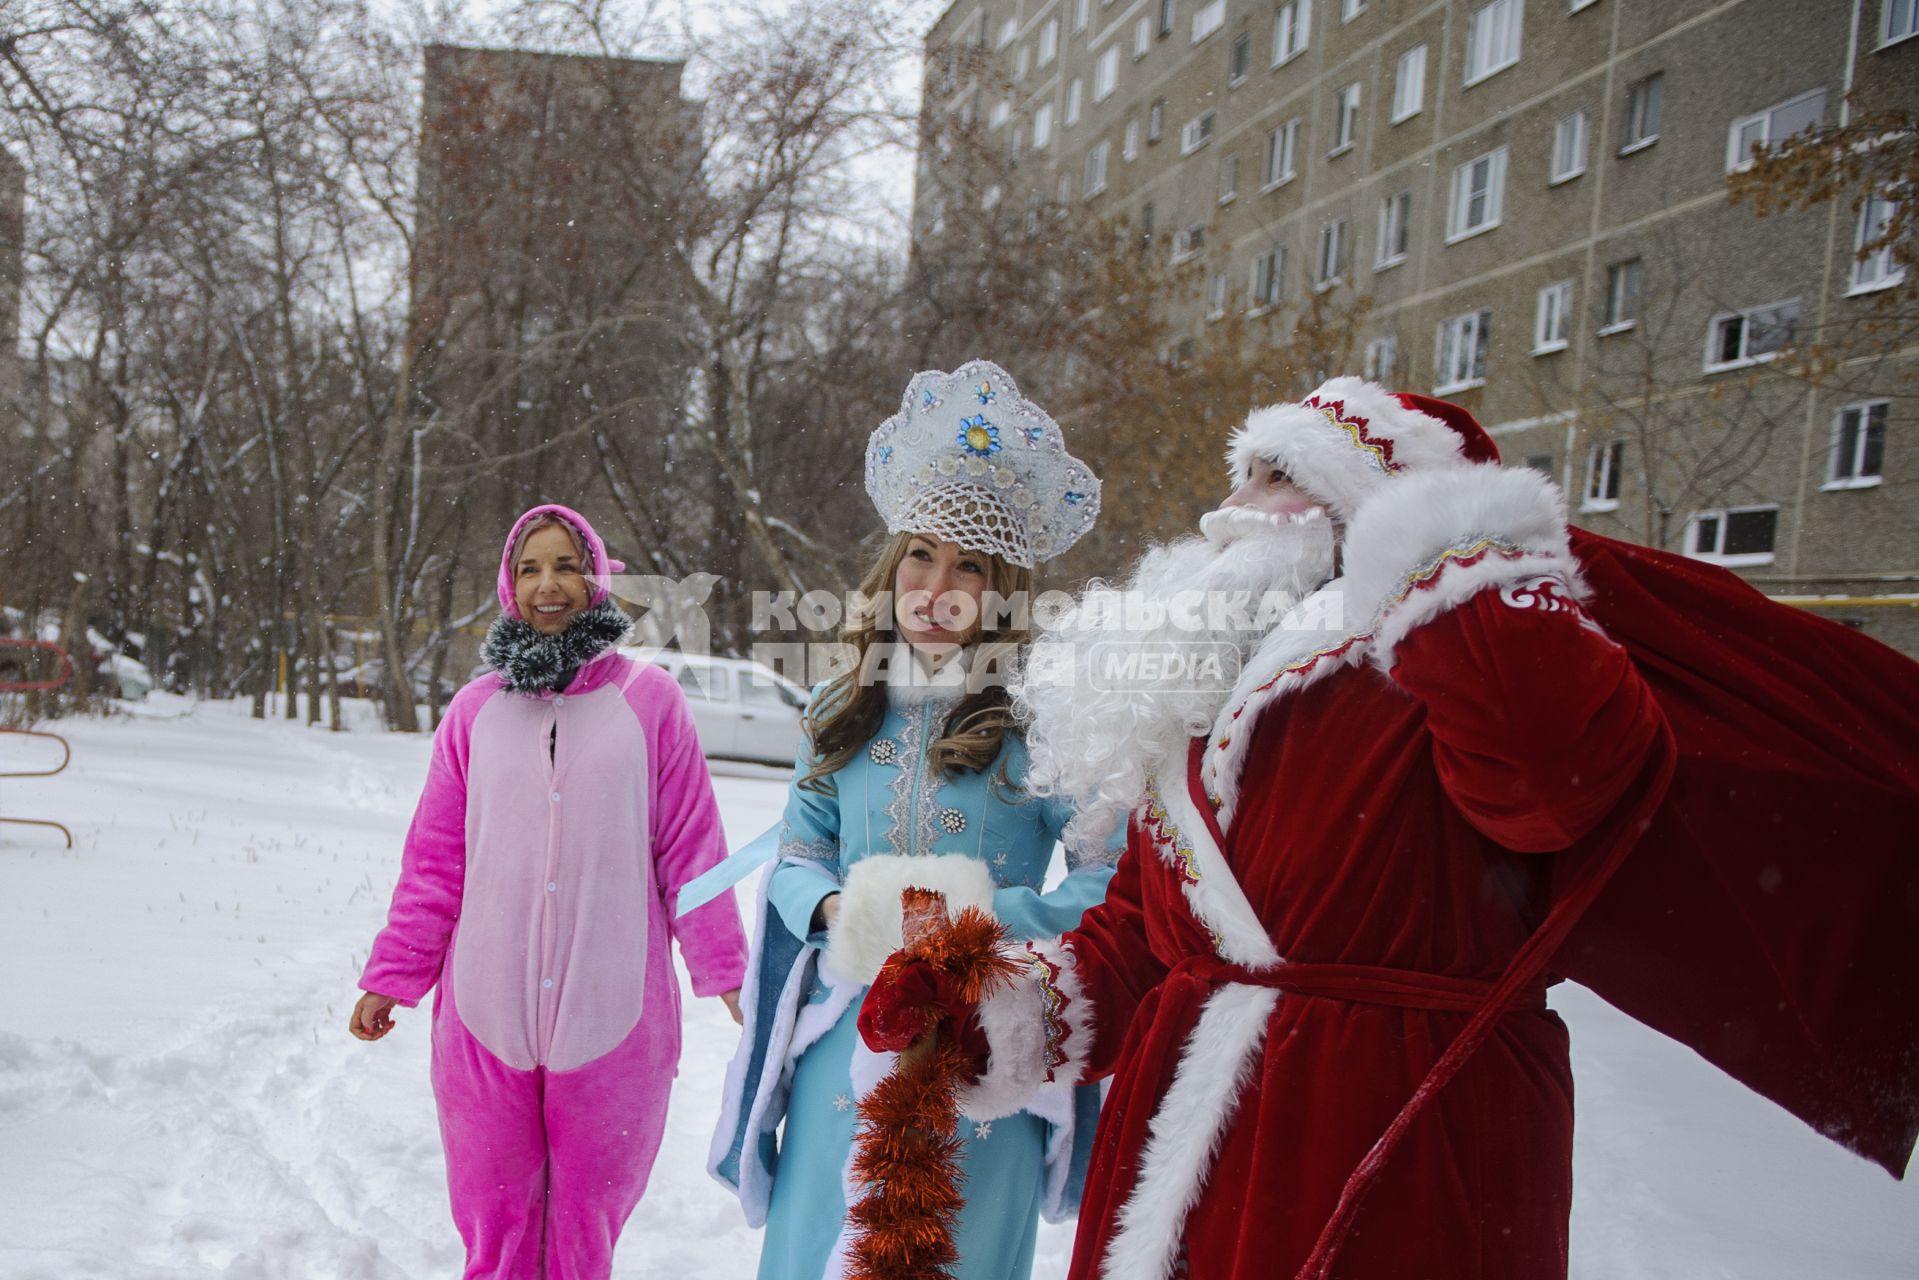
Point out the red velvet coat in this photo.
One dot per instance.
(1394, 816)
(1379, 826)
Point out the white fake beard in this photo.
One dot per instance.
(1097, 742)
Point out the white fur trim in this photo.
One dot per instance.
(1019, 1033)
(1435, 541)
(755, 1188)
(1014, 1019)
(1316, 639)
(1213, 895)
(1331, 462)
(1215, 1069)
(868, 927)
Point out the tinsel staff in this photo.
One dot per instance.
(906, 1153)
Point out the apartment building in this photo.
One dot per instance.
(1531, 196)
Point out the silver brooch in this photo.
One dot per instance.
(952, 821)
(883, 751)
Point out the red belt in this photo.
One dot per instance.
(1362, 984)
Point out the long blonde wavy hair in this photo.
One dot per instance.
(848, 712)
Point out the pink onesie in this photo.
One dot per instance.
(538, 893)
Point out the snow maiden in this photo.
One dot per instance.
(912, 777)
(566, 804)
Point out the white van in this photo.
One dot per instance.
(742, 710)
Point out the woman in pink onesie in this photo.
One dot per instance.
(566, 804)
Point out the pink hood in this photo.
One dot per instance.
(598, 568)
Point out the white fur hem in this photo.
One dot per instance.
(1215, 1069)
(1434, 541)
(868, 927)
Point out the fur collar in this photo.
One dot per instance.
(530, 662)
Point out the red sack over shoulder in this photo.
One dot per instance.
(1769, 916)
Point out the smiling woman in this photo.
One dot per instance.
(550, 773)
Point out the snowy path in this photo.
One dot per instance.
(179, 1097)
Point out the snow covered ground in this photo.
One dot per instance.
(179, 1096)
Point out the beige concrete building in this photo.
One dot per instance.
(1532, 196)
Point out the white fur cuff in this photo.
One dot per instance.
(868, 927)
(1039, 1029)
(1426, 544)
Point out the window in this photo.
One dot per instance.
(1072, 101)
(1197, 132)
(1188, 243)
(978, 37)
(1096, 170)
(1345, 119)
(1216, 296)
(1873, 265)
(1082, 14)
(1065, 191)
(1156, 120)
(1736, 536)
(1641, 125)
(1858, 446)
(1395, 213)
(1019, 144)
(1605, 463)
(1552, 322)
(1774, 124)
(1492, 38)
(1042, 126)
(1331, 268)
(707, 683)
(1382, 359)
(1208, 18)
(1350, 9)
(1022, 61)
(1167, 13)
(1106, 74)
(1239, 59)
(1142, 38)
(989, 199)
(1130, 150)
(1292, 27)
(1049, 42)
(1146, 225)
(1001, 110)
(1622, 296)
(1569, 147)
(1576, 6)
(1459, 358)
(1266, 275)
(1281, 144)
(1409, 84)
(1479, 195)
(1901, 19)
(1750, 336)
(1228, 179)
(1007, 31)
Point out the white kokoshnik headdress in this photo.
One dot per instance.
(969, 459)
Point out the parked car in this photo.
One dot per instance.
(742, 710)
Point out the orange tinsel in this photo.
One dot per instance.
(907, 1149)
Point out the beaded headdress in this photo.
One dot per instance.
(969, 459)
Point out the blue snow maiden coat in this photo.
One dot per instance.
(886, 820)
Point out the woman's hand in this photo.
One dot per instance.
(372, 1016)
(826, 913)
(731, 999)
